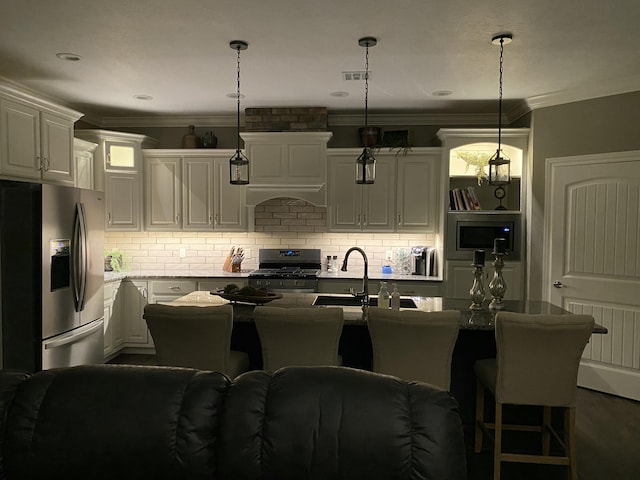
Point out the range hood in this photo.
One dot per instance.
(287, 164)
(314, 194)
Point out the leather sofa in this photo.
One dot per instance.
(135, 422)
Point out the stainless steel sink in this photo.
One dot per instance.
(346, 301)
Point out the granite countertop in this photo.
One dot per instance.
(355, 274)
(476, 320)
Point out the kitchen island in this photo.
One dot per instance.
(475, 339)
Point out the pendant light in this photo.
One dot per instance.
(366, 163)
(499, 163)
(238, 163)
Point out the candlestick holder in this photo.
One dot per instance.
(477, 289)
(497, 285)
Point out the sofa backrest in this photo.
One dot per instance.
(125, 422)
(335, 423)
(113, 422)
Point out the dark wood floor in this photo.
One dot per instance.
(607, 431)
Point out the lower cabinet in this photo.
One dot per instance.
(113, 319)
(459, 279)
(220, 283)
(136, 294)
(166, 291)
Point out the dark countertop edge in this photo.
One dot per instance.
(482, 320)
(115, 276)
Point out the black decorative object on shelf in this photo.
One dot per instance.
(500, 193)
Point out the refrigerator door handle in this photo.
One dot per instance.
(79, 259)
(77, 334)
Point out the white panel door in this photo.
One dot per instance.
(592, 213)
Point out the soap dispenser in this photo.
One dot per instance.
(383, 296)
(395, 298)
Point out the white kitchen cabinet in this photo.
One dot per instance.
(116, 152)
(209, 201)
(353, 207)
(163, 193)
(83, 158)
(190, 190)
(113, 319)
(166, 291)
(418, 190)
(459, 278)
(122, 201)
(37, 142)
(220, 283)
(136, 333)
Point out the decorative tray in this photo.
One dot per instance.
(257, 300)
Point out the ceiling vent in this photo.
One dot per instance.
(355, 75)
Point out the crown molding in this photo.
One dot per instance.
(334, 120)
(579, 94)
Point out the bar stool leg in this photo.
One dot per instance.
(498, 442)
(570, 441)
(479, 415)
(546, 430)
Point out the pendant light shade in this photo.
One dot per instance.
(499, 163)
(238, 163)
(366, 162)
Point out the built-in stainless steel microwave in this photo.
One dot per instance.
(477, 231)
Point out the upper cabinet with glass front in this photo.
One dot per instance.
(116, 152)
(466, 154)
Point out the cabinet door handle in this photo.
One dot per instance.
(359, 223)
(210, 219)
(364, 219)
(217, 219)
(178, 219)
(109, 158)
(45, 161)
(39, 162)
(109, 218)
(174, 288)
(144, 293)
(399, 220)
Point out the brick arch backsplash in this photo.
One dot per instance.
(280, 222)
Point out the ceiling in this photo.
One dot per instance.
(177, 51)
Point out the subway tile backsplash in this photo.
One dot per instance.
(281, 222)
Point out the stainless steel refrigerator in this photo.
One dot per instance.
(51, 276)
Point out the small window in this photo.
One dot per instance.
(121, 156)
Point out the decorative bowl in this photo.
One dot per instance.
(257, 300)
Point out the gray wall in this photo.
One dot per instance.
(607, 124)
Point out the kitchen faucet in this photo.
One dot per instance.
(364, 294)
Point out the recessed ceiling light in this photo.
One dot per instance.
(339, 94)
(234, 95)
(143, 97)
(69, 57)
(441, 93)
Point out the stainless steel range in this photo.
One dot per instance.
(287, 270)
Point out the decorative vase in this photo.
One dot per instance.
(191, 140)
(209, 140)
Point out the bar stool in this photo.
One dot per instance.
(536, 364)
(195, 337)
(298, 336)
(414, 345)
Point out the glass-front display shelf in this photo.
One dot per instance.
(469, 188)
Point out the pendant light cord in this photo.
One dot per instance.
(500, 96)
(238, 99)
(366, 86)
